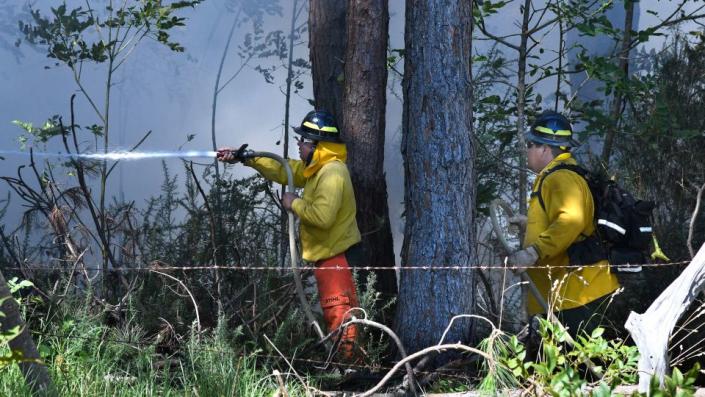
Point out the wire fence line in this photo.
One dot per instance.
(331, 268)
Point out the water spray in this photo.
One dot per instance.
(242, 153)
(115, 155)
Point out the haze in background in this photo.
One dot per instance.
(171, 93)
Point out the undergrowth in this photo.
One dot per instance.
(88, 358)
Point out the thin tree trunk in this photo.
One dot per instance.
(326, 25)
(439, 173)
(521, 108)
(218, 252)
(289, 77)
(616, 108)
(35, 373)
(561, 49)
(363, 120)
(217, 87)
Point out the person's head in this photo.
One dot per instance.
(318, 125)
(550, 135)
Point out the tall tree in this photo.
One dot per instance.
(348, 44)
(439, 173)
(362, 122)
(326, 24)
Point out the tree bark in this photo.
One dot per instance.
(439, 173)
(362, 123)
(35, 373)
(326, 26)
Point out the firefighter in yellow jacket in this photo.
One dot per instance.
(327, 211)
(559, 222)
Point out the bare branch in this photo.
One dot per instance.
(193, 300)
(692, 221)
(421, 353)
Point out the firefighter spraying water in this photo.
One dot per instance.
(327, 210)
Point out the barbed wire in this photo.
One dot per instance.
(160, 267)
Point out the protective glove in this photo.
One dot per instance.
(517, 223)
(523, 259)
(230, 155)
(287, 199)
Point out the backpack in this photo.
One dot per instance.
(623, 230)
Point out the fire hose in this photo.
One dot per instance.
(494, 215)
(242, 154)
(495, 205)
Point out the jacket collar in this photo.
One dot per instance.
(563, 158)
(325, 153)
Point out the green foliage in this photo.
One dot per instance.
(494, 130)
(9, 357)
(659, 153)
(507, 350)
(560, 369)
(452, 385)
(175, 229)
(48, 130)
(88, 358)
(374, 342)
(66, 32)
(107, 36)
(677, 384)
(488, 8)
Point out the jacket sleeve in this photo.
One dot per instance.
(273, 170)
(567, 208)
(321, 210)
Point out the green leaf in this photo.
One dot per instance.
(24, 125)
(551, 353)
(597, 332)
(15, 286)
(602, 390)
(677, 377)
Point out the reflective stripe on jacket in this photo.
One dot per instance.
(326, 209)
(568, 218)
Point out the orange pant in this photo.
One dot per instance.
(336, 292)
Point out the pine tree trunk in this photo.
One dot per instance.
(439, 174)
(326, 26)
(363, 121)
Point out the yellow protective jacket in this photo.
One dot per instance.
(327, 207)
(568, 218)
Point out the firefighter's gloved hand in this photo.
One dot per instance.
(287, 199)
(517, 223)
(518, 220)
(230, 155)
(523, 259)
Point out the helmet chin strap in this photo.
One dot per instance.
(308, 159)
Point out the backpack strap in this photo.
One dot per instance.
(570, 167)
(590, 249)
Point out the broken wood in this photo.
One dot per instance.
(652, 330)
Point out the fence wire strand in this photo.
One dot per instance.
(40, 267)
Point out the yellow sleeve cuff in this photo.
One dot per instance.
(298, 206)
